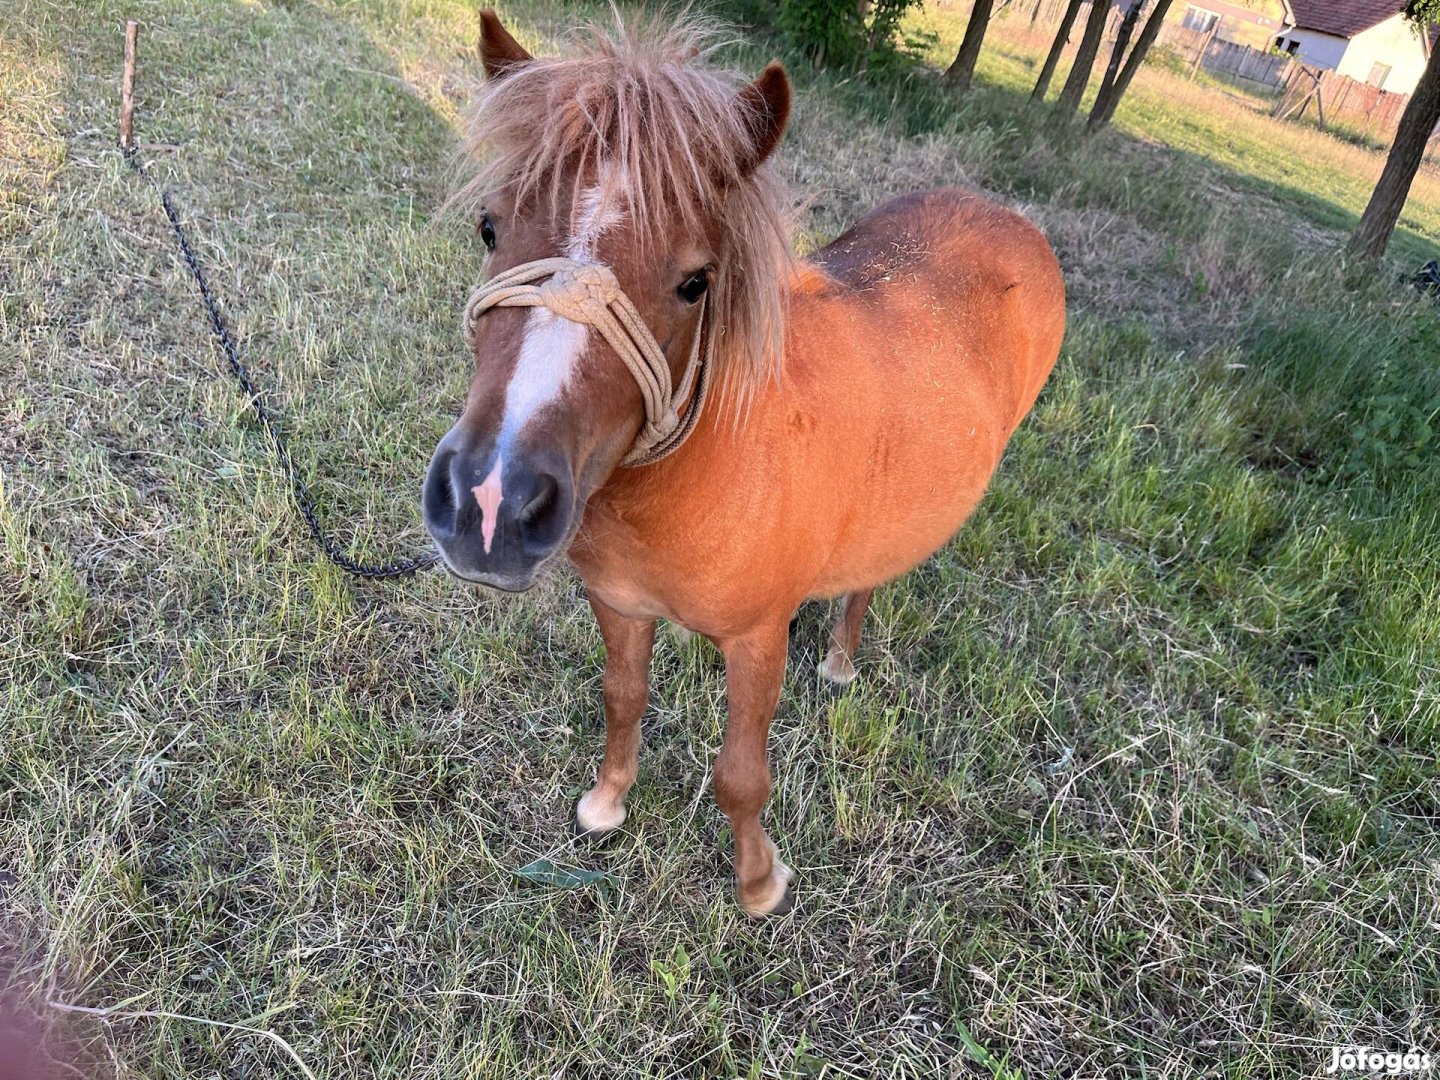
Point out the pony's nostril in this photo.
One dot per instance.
(540, 502)
(543, 518)
(439, 499)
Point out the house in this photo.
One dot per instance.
(1254, 23)
(1368, 40)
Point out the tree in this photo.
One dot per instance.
(1417, 123)
(1052, 58)
(962, 69)
(1074, 88)
(842, 33)
(1113, 88)
(1117, 51)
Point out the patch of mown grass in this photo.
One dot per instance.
(1139, 775)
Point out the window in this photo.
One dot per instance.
(1378, 74)
(1197, 18)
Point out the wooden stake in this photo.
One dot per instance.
(1287, 91)
(1204, 48)
(127, 89)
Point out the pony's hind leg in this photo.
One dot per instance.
(754, 669)
(839, 663)
(628, 645)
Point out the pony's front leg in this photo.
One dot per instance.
(754, 670)
(628, 645)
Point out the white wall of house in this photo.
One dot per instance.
(1325, 50)
(1389, 55)
(1392, 44)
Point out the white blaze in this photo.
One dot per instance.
(551, 349)
(591, 223)
(549, 353)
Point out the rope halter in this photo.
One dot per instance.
(588, 293)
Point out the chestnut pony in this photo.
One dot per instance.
(711, 431)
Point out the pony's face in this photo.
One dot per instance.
(552, 408)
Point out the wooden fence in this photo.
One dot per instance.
(1338, 99)
(1225, 57)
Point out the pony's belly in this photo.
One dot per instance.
(927, 498)
(886, 555)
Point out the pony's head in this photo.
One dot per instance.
(628, 156)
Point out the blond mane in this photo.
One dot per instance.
(635, 108)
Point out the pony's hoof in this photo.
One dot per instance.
(590, 836)
(787, 902)
(777, 898)
(837, 669)
(595, 819)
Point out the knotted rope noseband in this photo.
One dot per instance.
(588, 293)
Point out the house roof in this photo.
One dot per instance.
(1343, 18)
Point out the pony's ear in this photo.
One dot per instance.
(499, 52)
(764, 110)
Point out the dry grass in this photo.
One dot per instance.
(1140, 773)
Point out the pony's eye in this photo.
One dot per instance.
(487, 232)
(694, 286)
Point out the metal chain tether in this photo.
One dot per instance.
(299, 490)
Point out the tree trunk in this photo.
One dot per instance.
(962, 70)
(1417, 123)
(1052, 58)
(1117, 54)
(1106, 103)
(1074, 89)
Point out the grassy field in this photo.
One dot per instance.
(1280, 175)
(1140, 774)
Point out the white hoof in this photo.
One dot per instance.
(777, 897)
(595, 814)
(837, 668)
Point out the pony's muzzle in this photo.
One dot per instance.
(495, 519)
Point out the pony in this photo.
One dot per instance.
(710, 429)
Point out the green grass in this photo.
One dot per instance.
(1140, 774)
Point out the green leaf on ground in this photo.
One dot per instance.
(545, 872)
